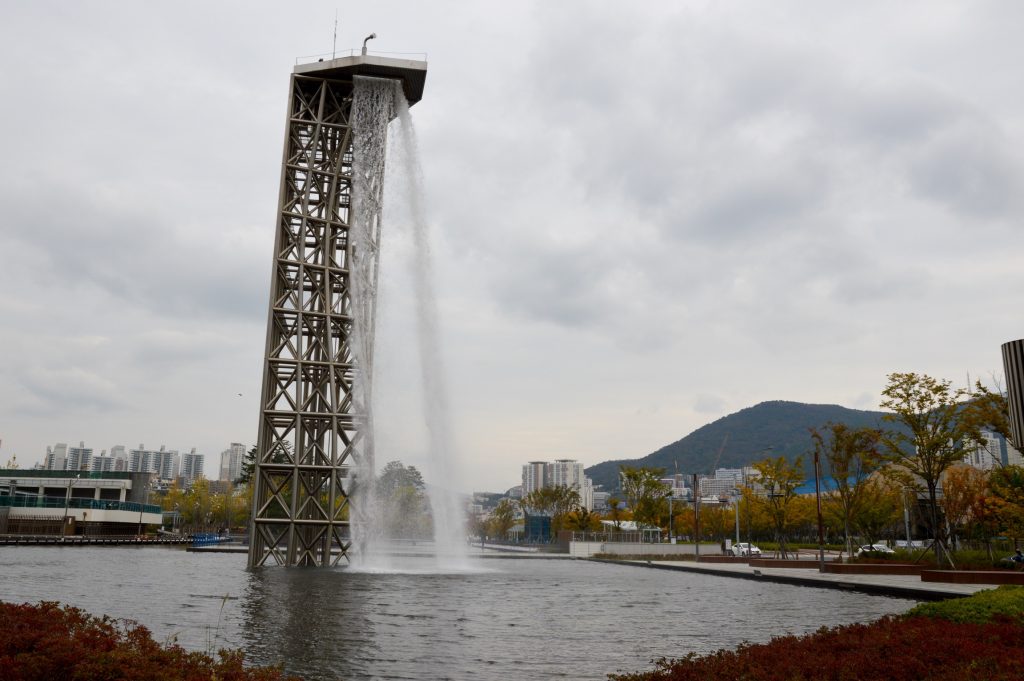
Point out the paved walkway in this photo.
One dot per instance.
(903, 586)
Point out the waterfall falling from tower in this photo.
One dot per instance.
(376, 103)
(372, 109)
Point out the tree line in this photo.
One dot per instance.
(873, 477)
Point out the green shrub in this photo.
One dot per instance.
(972, 559)
(984, 606)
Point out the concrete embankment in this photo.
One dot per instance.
(902, 586)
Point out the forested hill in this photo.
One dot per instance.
(783, 426)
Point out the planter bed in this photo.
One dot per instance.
(874, 568)
(973, 576)
(780, 563)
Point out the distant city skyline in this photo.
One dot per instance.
(168, 464)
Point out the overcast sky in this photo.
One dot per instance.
(645, 216)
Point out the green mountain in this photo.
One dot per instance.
(768, 429)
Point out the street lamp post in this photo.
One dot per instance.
(736, 508)
(67, 505)
(906, 517)
(750, 531)
(671, 530)
(142, 507)
(696, 518)
(817, 496)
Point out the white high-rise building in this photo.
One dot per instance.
(101, 462)
(534, 476)
(569, 473)
(170, 464)
(724, 483)
(56, 457)
(79, 458)
(231, 462)
(120, 456)
(192, 465)
(140, 460)
(677, 485)
(165, 463)
(561, 473)
(994, 452)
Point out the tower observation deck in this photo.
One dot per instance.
(313, 416)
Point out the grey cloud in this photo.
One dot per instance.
(894, 112)
(48, 390)
(758, 205)
(971, 172)
(141, 259)
(171, 347)
(563, 288)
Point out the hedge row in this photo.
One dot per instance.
(974, 639)
(985, 606)
(47, 642)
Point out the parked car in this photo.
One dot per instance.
(744, 549)
(876, 549)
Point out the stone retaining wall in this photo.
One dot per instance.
(873, 568)
(582, 549)
(780, 563)
(973, 576)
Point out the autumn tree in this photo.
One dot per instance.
(716, 521)
(989, 409)
(402, 501)
(503, 517)
(753, 518)
(645, 493)
(1007, 499)
(936, 434)
(556, 501)
(779, 479)
(962, 485)
(583, 520)
(880, 509)
(615, 512)
(852, 456)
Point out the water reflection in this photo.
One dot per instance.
(514, 618)
(530, 619)
(309, 618)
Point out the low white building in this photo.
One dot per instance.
(38, 501)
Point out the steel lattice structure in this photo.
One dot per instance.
(310, 422)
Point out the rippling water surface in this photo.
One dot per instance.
(521, 618)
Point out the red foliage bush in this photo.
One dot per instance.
(912, 649)
(47, 642)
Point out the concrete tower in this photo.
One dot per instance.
(311, 421)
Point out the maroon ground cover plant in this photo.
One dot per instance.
(47, 642)
(892, 649)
